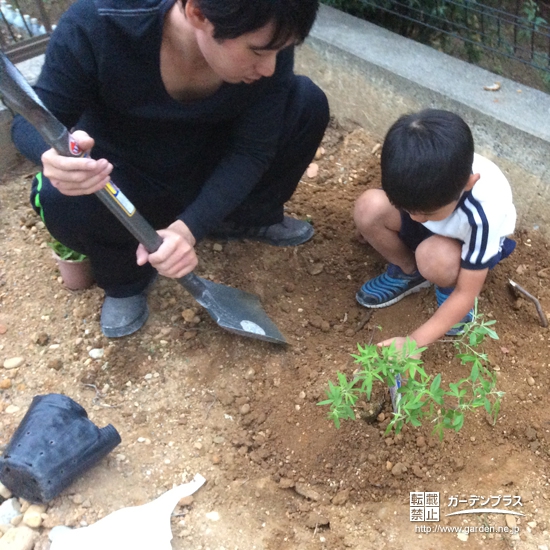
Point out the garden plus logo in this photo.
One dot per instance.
(424, 506)
(494, 504)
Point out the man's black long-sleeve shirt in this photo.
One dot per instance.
(102, 75)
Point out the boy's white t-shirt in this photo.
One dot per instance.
(484, 216)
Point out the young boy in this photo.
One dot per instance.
(442, 216)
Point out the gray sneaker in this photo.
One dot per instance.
(289, 232)
(123, 316)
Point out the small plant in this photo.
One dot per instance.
(531, 16)
(66, 253)
(420, 395)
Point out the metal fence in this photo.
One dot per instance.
(24, 35)
(521, 32)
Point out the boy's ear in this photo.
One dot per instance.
(194, 14)
(472, 180)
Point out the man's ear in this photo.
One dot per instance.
(194, 15)
(472, 180)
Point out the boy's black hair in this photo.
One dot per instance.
(293, 19)
(426, 160)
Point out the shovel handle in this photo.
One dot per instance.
(23, 99)
(141, 229)
(137, 225)
(113, 198)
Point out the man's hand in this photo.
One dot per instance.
(76, 175)
(176, 255)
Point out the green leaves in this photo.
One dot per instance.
(341, 399)
(421, 395)
(435, 384)
(66, 253)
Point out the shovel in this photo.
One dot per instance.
(233, 309)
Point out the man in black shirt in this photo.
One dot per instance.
(193, 109)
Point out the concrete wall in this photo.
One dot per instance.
(372, 76)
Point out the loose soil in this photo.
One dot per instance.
(188, 397)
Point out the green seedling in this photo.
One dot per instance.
(66, 253)
(421, 396)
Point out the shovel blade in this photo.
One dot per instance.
(239, 312)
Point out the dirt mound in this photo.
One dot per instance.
(188, 397)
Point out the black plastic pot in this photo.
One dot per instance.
(55, 443)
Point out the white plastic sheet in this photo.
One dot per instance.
(143, 527)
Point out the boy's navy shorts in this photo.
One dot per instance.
(413, 233)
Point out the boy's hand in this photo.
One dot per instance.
(75, 176)
(398, 340)
(359, 237)
(176, 255)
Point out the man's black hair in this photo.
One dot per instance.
(426, 160)
(293, 19)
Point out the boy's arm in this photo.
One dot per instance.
(453, 310)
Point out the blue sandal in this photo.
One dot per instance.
(390, 287)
